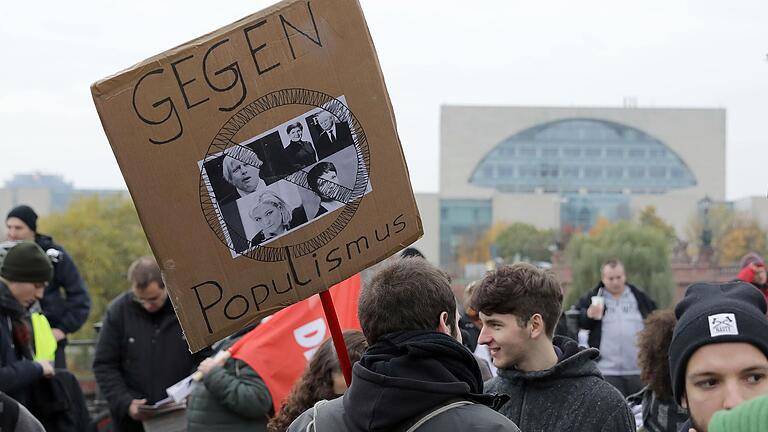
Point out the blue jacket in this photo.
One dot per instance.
(70, 311)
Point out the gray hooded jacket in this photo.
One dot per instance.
(570, 397)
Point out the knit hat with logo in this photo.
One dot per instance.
(715, 313)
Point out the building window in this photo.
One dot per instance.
(571, 152)
(548, 170)
(549, 152)
(636, 153)
(582, 154)
(592, 152)
(658, 172)
(593, 172)
(571, 172)
(614, 172)
(636, 172)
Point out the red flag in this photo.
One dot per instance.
(280, 348)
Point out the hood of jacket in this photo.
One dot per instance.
(406, 374)
(574, 362)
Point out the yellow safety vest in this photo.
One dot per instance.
(45, 342)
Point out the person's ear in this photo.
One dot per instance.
(684, 402)
(443, 326)
(536, 326)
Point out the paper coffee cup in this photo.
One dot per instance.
(598, 300)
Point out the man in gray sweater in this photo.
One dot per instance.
(554, 384)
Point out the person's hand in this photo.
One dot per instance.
(595, 312)
(47, 368)
(133, 410)
(208, 364)
(58, 334)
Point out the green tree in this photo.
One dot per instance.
(476, 246)
(649, 218)
(643, 250)
(525, 240)
(104, 236)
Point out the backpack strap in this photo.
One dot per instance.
(437, 412)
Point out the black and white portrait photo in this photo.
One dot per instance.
(282, 179)
(329, 133)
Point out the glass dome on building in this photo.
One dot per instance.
(576, 155)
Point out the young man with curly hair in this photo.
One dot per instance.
(415, 373)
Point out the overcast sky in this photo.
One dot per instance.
(702, 53)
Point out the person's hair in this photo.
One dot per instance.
(407, 294)
(520, 289)
(293, 126)
(236, 154)
(313, 175)
(325, 114)
(316, 383)
(411, 252)
(611, 263)
(143, 272)
(468, 309)
(653, 358)
(271, 198)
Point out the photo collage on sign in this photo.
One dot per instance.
(282, 179)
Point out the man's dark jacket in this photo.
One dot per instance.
(401, 378)
(66, 312)
(138, 355)
(595, 327)
(325, 147)
(570, 397)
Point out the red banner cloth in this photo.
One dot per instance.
(280, 348)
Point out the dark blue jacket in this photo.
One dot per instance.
(66, 312)
(17, 373)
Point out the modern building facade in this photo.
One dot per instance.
(557, 167)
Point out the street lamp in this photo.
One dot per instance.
(706, 252)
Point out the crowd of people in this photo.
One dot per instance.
(503, 359)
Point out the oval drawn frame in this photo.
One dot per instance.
(278, 98)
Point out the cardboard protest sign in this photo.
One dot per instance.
(263, 160)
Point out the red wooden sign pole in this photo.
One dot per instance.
(338, 337)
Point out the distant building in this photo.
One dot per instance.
(557, 167)
(46, 193)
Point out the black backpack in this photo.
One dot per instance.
(59, 404)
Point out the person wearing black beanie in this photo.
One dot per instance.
(65, 303)
(718, 357)
(24, 272)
